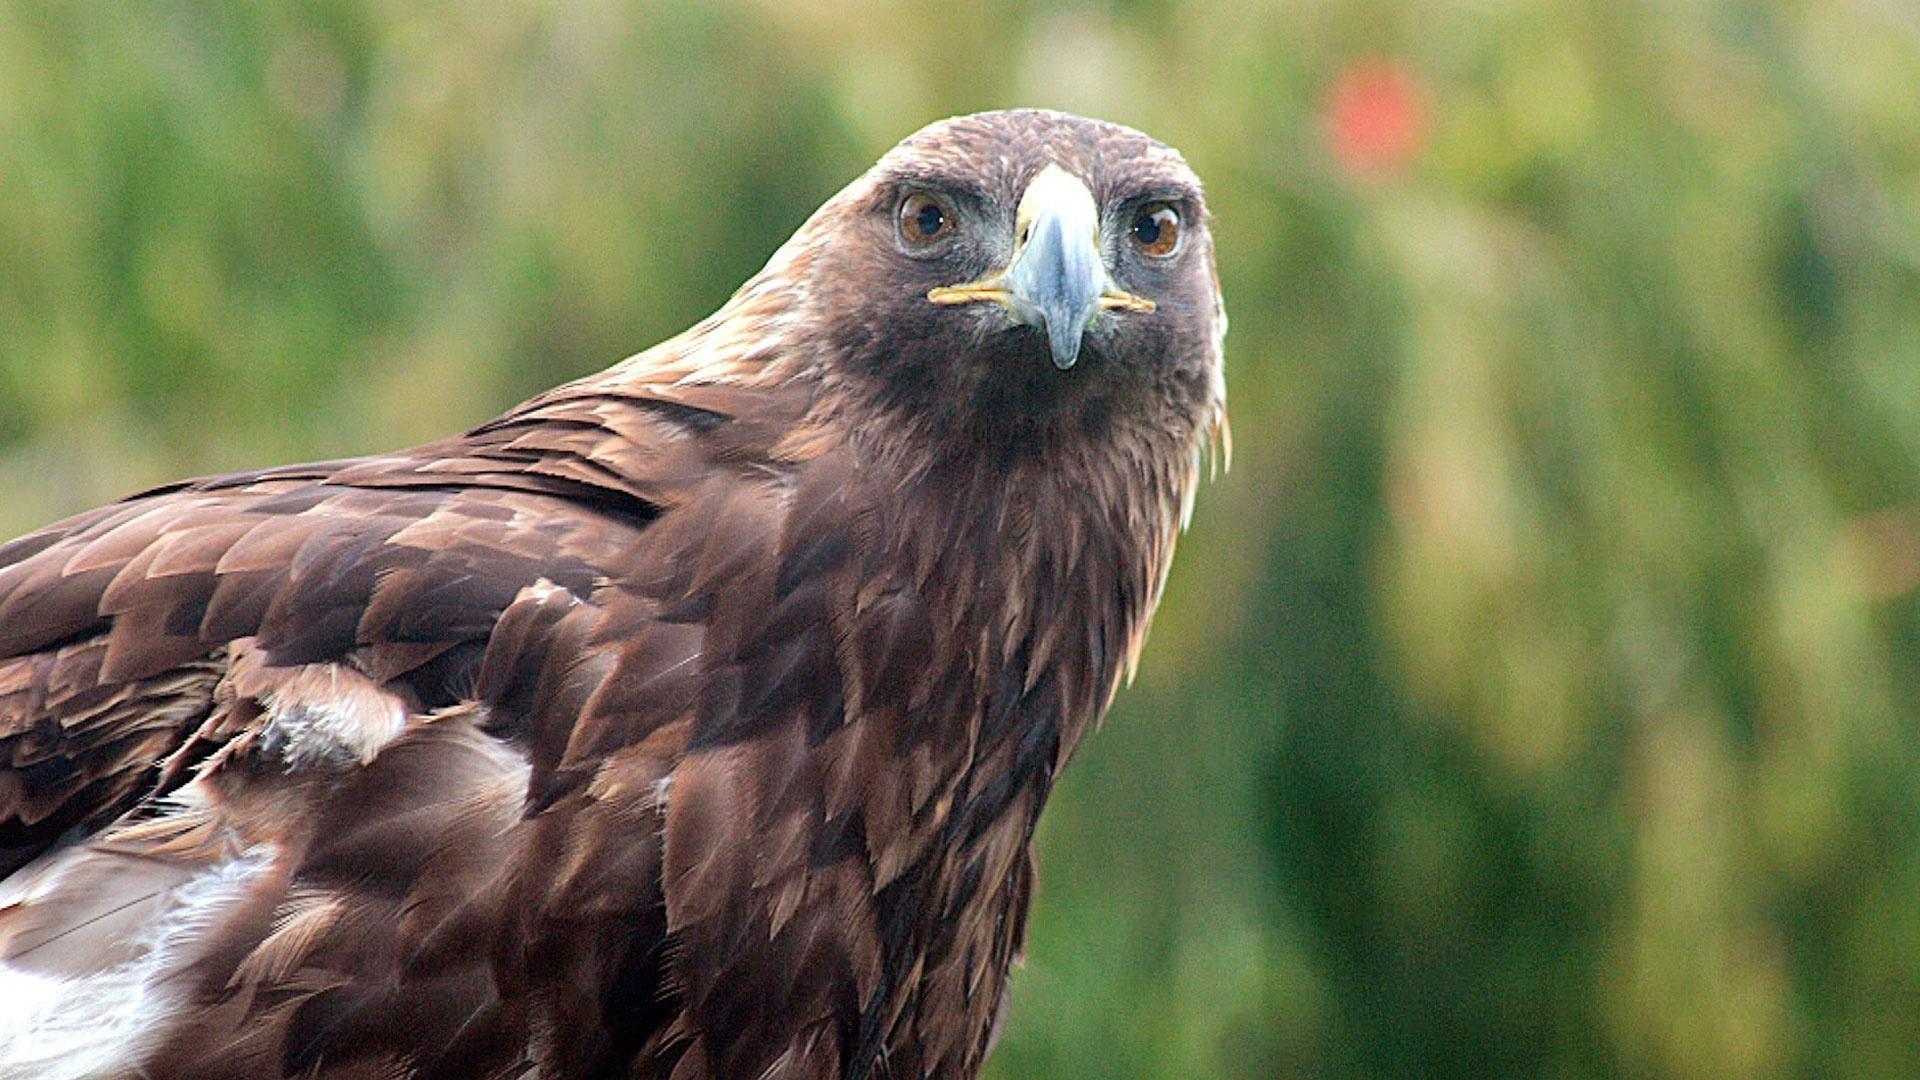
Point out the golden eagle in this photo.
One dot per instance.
(689, 720)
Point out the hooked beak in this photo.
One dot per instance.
(1057, 281)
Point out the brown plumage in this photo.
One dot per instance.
(690, 720)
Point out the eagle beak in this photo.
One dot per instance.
(1057, 281)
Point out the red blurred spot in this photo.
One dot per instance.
(1375, 116)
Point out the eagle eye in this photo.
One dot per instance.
(1156, 229)
(924, 220)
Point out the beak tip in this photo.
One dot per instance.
(1063, 340)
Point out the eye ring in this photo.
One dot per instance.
(925, 220)
(1156, 229)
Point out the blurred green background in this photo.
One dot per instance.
(1535, 697)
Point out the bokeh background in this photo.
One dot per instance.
(1536, 695)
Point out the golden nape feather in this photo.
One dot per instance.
(690, 720)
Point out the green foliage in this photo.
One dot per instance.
(1533, 697)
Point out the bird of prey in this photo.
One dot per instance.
(689, 720)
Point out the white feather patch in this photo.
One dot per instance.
(99, 1024)
(330, 716)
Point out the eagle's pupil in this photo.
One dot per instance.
(1146, 229)
(930, 220)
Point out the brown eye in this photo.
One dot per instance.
(923, 219)
(1156, 228)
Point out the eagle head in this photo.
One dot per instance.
(1025, 275)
